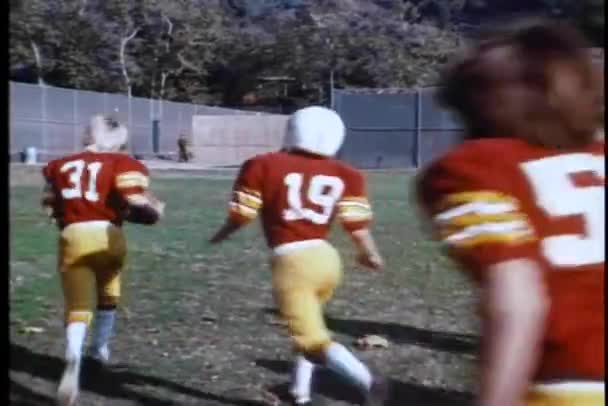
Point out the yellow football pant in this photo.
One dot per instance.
(568, 394)
(91, 257)
(303, 281)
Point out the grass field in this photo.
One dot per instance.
(198, 326)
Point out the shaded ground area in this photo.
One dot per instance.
(198, 326)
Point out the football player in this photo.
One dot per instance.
(520, 206)
(299, 191)
(89, 194)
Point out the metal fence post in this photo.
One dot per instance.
(44, 120)
(331, 90)
(129, 121)
(75, 119)
(418, 120)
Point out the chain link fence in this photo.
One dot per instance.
(394, 128)
(53, 120)
(386, 128)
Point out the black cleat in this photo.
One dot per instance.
(378, 393)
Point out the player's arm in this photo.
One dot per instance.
(515, 305)
(486, 231)
(245, 203)
(48, 198)
(132, 181)
(355, 214)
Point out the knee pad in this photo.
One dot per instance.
(312, 348)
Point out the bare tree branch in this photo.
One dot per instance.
(165, 74)
(169, 31)
(38, 59)
(187, 64)
(123, 45)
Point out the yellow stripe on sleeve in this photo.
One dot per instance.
(243, 210)
(354, 210)
(132, 179)
(475, 218)
(479, 196)
(137, 199)
(247, 199)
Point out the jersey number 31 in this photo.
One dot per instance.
(75, 170)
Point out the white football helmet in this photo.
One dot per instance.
(315, 129)
(105, 134)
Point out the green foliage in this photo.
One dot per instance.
(198, 51)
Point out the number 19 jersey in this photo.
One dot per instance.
(494, 200)
(298, 195)
(92, 186)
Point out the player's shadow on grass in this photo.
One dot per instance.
(110, 383)
(23, 396)
(401, 334)
(397, 333)
(331, 386)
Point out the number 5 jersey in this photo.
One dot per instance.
(92, 186)
(494, 200)
(297, 195)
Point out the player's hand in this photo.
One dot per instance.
(216, 239)
(157, 205)
(371, 261)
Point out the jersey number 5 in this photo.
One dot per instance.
(323, 191)
(551, 179)
(75, 170)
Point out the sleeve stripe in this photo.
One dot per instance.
(476, 197)
(477, 208)
(348, 204)
(508, 238)
(356, 217)
(125, 184)
(354, 199)
(243, 210)
(475, 219)
(132, 179)
(247, 199)
(251, 192)
(137, 199)
(503, 230)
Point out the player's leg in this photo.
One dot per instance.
(108, 296)
(302, 282)
(107, 272)
(301, 379)
(303, 369)
(78, 286)
(328, 266)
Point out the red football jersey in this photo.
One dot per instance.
(92, 186)
(298, 195)
(499, 199)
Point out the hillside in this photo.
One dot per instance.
(246, 52)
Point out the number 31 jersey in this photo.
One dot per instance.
(495, 200)
(298, 195)
(91, 186)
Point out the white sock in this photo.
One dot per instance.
(103, 328)
(302, 379)
(75, 333)
(343, 362)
